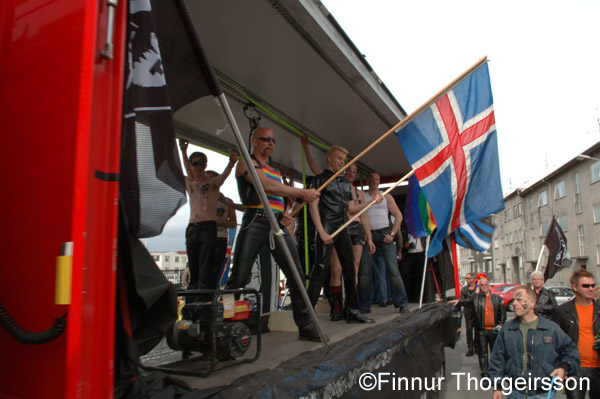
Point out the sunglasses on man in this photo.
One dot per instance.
(589, 285)
(267, 139)
(201, 163)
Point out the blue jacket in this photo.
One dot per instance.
(548, 348)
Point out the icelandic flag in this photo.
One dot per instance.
(476, 235)
(453, 148)
(417, 213)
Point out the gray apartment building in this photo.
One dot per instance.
(571, 194)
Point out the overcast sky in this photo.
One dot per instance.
(544, 69)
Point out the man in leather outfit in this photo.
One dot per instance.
(545, 303)
(328, 213)
(465, 292)
(488, 315)
(255, 231)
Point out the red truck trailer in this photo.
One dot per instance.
(61, 80)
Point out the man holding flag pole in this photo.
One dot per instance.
(451, 143)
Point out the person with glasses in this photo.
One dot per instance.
(256, 233)
(465, 292)
(201, 232)
(545, 302)
(580, 319)
(489, 315)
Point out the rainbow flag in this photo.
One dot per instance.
(417, 214)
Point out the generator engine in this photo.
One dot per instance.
(193, 333)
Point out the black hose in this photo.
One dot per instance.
(31, 338)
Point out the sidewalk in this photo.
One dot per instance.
(462, 373)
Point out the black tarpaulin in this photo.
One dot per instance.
(409, 346)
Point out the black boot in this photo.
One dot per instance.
(483, 365)
(336, 311)
(354, 316)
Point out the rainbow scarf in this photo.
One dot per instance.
(275, 201)
(417, 214)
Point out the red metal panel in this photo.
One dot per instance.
(61, 113)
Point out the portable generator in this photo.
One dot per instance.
(206, 324)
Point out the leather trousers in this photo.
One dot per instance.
(343, 247)
(254, 234)
(484, 344)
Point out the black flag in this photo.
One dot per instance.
(556, 242)
(165, 71)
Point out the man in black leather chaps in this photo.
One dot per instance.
(256, 232)
(328, 213)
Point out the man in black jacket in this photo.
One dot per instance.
(580, 319)
(545, 303)
(488, 315)
(465, 292)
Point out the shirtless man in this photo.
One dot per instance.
(201, 233)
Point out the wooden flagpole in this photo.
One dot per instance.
(424, 273)
(401, 124)
(455, 264)
(356, 216)
(537, 265)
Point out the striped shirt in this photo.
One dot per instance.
(275, 201)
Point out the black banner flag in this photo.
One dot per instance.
(556, 242)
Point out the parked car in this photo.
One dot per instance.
(497, 288)
(507, 295)
(562, 294)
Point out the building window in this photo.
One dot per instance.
(507, 214)
(543, 199)
(581, 237)
(597, 212)
(578, 207)
(531, 213)
(177, 259)
(156, 258)
(559, 190)
(544, 229)
(167, 257)
(496, 243)
(598, 255)
(518, 212)
(595, 172)
(563, 222)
